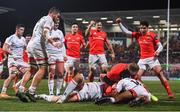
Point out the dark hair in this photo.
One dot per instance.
(97, 21)
(19, 25)
(144, 23)
(28, 35)
(54, 10)
(74, 24)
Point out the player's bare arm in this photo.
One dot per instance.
(46, 33)
(159, 49)
(6, 48)
(87, 32)
(109, 46)
(5, 57)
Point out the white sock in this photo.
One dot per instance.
(46, 97)
(4, 89)
(59, 86)
(51, 86)
(112, 100)
(32, 90)
(21, 89)
(18, 83)
(71, 86)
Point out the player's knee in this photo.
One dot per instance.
(60, 75)
(14, 72)
(51, 76)
(78, 78)
(12, 76)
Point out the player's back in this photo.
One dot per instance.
(91, 90)
(128, 83)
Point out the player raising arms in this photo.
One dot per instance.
(97, 40)
(148, 41)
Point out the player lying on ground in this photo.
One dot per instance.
(120, 71)
(78, 90)
(126, 90)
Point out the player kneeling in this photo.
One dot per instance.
(126, 90)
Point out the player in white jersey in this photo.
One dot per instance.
(77, 90)
(26, 77)
(36, 50)
(56, 60)
(14, 46)
(126, 90)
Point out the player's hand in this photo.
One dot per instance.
(118, 20)
(113, 56)
(92, 23)
(156, 54)
(65, 58)
(57, 44)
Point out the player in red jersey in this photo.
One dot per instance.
(148, 41)
(97, 40)
(73, 43)
(120, 71)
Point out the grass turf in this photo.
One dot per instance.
(156, 88)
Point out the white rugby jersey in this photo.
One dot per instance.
(91, 90)
(44, 22)
(17, 45)
(57, 36)
(127, 84)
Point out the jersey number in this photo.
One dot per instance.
(135, 82)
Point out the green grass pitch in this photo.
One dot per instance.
(156, 88)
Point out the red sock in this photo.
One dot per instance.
(168, 89)
(69, 78)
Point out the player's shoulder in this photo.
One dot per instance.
(49, 18)
(68, 35)
(23, 38)
(127, 79)
(11, 37)
(136, 33)
(151, 33)
(79, 35)
(59, 31)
